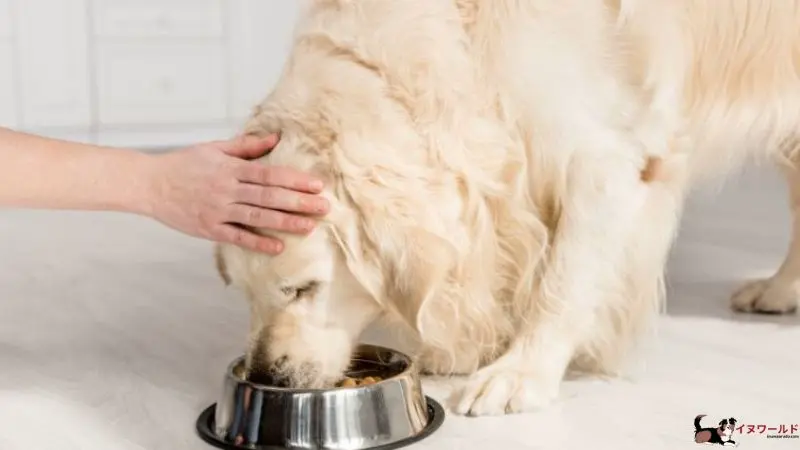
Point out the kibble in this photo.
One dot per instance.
(353, 382)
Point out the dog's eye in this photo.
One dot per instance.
(305, 290)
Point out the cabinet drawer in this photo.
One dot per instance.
(5, 19)
(53, 63)
(8, 99)
(161, 83)
(158, 18)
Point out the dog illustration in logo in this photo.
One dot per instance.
(715, 435)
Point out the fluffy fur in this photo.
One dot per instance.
(507, 177)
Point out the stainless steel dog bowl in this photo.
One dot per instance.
(386, 415)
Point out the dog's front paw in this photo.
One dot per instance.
(497, 391)
(766, 297)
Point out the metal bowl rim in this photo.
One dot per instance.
(410, 369)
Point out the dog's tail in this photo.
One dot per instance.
(697, 422)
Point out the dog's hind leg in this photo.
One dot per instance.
(778, 294)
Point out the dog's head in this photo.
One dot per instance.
(309, 304)
(726, 427)
(731, 425)
(372, 255)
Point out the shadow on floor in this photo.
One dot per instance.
(711, 299)
(730, 234)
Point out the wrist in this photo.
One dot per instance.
(131, 179)
(145, 181)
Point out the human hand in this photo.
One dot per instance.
(208, 190)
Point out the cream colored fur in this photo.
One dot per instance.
(485, 160)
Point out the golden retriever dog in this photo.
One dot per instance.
(507, 177)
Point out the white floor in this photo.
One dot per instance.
(114, 331)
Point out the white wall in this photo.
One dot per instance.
(141, 73)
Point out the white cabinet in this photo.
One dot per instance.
(260, 35)
(52, 55)
(158, 18)
(160, 62)
(8, 99)
(174, 82)
(5, 19)
(149, 73)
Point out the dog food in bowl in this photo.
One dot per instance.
(353, 382)
(370, 368)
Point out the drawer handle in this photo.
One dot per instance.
(165, 85)
(163, 22)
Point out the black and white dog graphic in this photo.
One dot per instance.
(720, 435)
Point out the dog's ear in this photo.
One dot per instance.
(421, 264)
(222, 268)
(723, 422)
(400, 268)
(366, 270)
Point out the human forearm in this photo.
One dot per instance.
(38, 172)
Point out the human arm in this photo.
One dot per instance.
(201, 190)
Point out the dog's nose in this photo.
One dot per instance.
(266, 377)
(260, 377)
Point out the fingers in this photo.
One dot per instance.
(246, 239)
(266, 197)
(248, 146)
(256, 217)
(279, 176)
(281, 199)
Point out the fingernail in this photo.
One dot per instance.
(274, 248)
(317, 205)
(316, 185)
